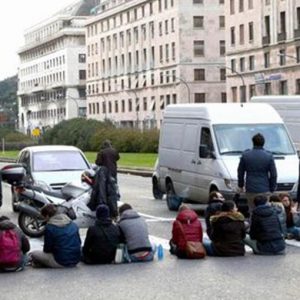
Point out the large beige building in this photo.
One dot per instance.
(263, 48)
(145, 54)
(52, 69)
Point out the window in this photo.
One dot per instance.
(250, 4)
(233, 67)
(81, 58)
(167, 52)
(222, 48)
(160, 28)
(282, 22)
(298, 17)
(298, 86)
(199, 74)
(251, 32)
(241, 34)
(172, 24)
(198, 21)
(197, 1)
(252, 91)
(242, 64)
(232, 7)
(222, 74)
(298, 54)
(223, 97)
(267, 89)
(267, 60)
(232, 36)
(234, 93)
(221, 1)
(198, 48)
(145, 104)
(282, 57)
(283, 87)
(251, 63)
(241, 5)
(222, 21)
(199, 98)
(166, 27)
(174, 51)
(161, 53)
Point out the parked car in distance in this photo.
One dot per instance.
(55, 165)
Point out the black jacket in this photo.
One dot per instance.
(104, 192)
(101, 242)
(227, 234)
(213, 207)
(266, 230)
(108, 157)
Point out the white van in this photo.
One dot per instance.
(200, 147)
(288, 107)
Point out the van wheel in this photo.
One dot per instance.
(173, 201)
(157, 193)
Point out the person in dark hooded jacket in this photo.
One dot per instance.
(102, 239)
(23, 245)
(265, 229)
(227, 232)
(186, 227)
(214, 206)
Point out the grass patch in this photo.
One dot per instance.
(130, 160)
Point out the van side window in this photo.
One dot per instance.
(206, 143)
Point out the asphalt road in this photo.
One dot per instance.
(249, 277)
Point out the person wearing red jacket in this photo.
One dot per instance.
(186, 227)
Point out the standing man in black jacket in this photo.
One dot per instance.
(259, 167)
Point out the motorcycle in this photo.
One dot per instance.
(72, 200)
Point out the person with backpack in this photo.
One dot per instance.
(228, 231)
(186, 228)
(13, 246)
(62, 244)
(266, 236)
(102, 239)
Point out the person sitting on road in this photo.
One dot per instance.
(134, 233)
(102, 239)
(214, 207)
(265, 229)
(227, 232)
(292, 217)
(61, 241)
(276, 203)
(186, 227)
(13, 246)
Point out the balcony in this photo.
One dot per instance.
(297, 34)
(281, 37)
(266, 40)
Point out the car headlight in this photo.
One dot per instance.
(231, 184)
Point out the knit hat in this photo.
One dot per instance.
(102, 211)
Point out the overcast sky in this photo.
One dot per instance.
(15, 17)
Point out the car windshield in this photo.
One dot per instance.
(58, 161)
(233, 139)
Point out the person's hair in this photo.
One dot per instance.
(124, 207)
(260, 200)
(4, 218)
(48, 210)
(214, 196)
(258, 140)
(274, 198)
(283, 195)
(228, 205)
(183, 207)
(106, 144)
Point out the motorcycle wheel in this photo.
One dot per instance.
(31, 226)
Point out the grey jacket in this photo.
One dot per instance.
(135, 232)
(259, 167)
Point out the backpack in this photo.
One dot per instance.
(10, 254)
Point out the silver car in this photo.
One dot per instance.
(53, 165)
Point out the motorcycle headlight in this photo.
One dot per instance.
(231, 184)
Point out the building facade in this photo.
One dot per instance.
(145, 54)
(52, 69)
(263, 48)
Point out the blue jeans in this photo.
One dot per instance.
(208, 247)
(295, 231)
(149, 256)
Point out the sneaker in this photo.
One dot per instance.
(289, 236)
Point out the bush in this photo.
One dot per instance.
(14, 140)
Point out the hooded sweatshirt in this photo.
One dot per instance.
(62, 240)
(135, 232)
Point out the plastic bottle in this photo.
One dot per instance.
(160, 252)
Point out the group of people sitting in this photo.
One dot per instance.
(271, 222)
(62, 243)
